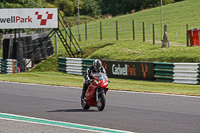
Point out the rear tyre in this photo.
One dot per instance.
(84, 103)
(101, 102)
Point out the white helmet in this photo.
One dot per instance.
(97, 65)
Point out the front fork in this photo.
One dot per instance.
(98, 92)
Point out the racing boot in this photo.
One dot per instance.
(85, 86)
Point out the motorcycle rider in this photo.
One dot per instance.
(94, 68)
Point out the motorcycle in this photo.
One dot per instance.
(96, 92)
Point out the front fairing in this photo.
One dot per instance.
(100, 80)
(100, 83)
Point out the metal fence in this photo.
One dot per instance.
(132, 30)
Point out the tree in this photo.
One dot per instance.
(67, 6)
(91, 8)
(22, 4)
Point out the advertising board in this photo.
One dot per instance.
(19, 18)
(129, 70)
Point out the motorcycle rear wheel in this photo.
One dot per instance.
(84, 103)
(101, 102)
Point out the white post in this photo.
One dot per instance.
(161, 20)
(79, 35)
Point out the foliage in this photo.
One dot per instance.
(74, 20)
(21, 4)
(116, 7)
(67, 6)
(91, 8)
(154, 3)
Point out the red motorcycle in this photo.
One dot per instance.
(96, 92)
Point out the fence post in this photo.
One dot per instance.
(154, 35)
(133, 23)
(86, 31)
(165, 28)
(101, 30)
(187, 38)
(143, 31)
(116, 30)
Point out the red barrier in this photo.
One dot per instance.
(194, 36)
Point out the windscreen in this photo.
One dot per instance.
(100, 76)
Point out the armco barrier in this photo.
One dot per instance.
(187, 73)
(163, 72)
(8, 66)
(75, 66)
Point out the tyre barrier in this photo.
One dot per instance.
(29, 43)
(8, 66)
(76, 66)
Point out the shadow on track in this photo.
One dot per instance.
(72, 110)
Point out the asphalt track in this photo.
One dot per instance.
(135, 112)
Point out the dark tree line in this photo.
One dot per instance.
(115, 7)
(93, 8)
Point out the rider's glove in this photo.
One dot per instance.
(87, 80)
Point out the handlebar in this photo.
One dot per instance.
(91, 77)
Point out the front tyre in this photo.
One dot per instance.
(84, 103)
(101, 102)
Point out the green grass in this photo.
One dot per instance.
(63, 79)
(175, 16)
(135, 51)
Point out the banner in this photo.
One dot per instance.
(19, 18)
(129, 70)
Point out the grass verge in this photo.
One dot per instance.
(128, 50)
(63, 79)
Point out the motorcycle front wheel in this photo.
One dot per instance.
(84, 103)
(101, 102)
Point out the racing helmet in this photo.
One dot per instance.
(97, 65)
